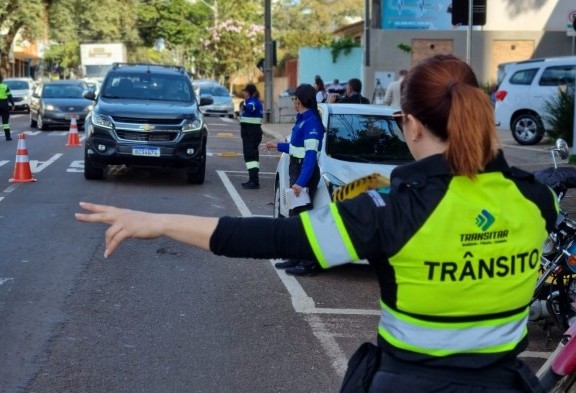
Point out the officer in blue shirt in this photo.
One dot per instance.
(305, 142)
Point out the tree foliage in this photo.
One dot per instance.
(213, 37)
(17, 18)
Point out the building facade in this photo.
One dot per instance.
(404, 31)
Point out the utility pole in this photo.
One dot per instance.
(268, 60)
(469, 31)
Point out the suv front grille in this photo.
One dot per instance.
(146, 136)
(139, 120)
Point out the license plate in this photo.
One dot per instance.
(146, 151)
(69, 117)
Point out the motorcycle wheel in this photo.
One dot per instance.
(566, 384)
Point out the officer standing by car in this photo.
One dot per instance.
(6, 101)
(251, 133)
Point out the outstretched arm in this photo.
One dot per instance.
(125, 223)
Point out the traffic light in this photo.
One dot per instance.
(460, 12)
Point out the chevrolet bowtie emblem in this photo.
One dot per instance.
(147, 127)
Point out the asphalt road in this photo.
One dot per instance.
(158, 316)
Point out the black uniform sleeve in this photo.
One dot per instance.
(260, 237)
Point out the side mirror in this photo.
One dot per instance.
(89, 95)
(561, 149)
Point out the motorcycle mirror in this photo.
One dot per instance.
(562, 149)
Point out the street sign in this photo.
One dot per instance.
(571, 25)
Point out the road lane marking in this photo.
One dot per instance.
(5, 280)
(301, 302)
(38, 166)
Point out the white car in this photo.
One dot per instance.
(526, 89)
(360, 139)
(21, 90)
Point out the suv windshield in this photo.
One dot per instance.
(366, 138)
(148, 87)
(17, 85)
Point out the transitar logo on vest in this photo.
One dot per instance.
(485, 220)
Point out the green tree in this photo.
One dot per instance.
(231, 46)
(15, 19)
(560, 114)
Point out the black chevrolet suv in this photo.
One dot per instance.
(146, 115)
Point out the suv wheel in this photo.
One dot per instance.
(527, 129)
(277, 196)
(197, 175)
(90, 171)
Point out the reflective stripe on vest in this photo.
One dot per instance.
(300, 152)
(250, 120)
(442, 339)
(328, 236)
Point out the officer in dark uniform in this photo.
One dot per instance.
(455, 242)
(6, 101)
(251, 134)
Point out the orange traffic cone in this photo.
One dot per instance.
(22, 171)
(73, 139)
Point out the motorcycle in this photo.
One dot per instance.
(558, 373)
(554, 301)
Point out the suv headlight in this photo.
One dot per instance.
(102, 120)
(192, 125)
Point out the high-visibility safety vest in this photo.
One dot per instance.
(456, 258)
(4, 91)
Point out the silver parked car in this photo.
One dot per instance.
(223, 103)
(21, 90)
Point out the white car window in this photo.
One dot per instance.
(365, 138)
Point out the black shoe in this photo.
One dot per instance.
(249, 185)
(287, 264)
(303, 269)
(8, 139)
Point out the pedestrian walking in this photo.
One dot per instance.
(455, 242)
(251, 133)
(6, 103)
(392, 95)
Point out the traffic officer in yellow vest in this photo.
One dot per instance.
(455, 242)
(251, 133)
(6, 101)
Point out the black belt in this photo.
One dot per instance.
(511, 374)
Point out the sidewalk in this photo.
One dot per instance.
(279, 131)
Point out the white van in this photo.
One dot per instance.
(526, 88)
(360, 139)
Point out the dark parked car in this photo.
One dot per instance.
(146, 115)
(53, 104)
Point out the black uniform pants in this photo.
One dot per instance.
(5, 111)
(251, 135)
